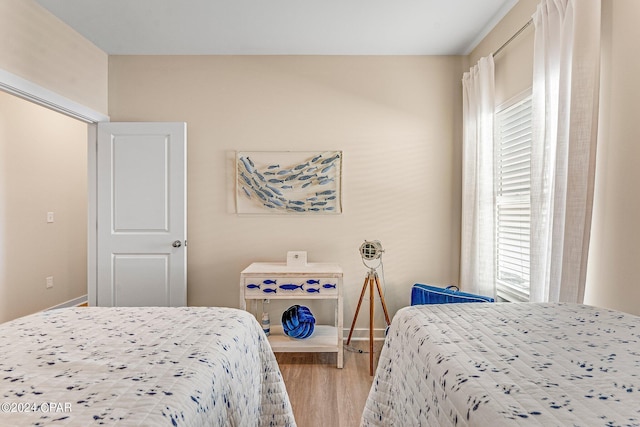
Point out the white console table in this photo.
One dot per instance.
(313, 281)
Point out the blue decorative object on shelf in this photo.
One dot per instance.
(298, 322)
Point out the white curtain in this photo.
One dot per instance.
(565, 107)
(477, 271)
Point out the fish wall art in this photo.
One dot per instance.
(288, 182)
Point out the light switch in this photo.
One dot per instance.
(49, 217)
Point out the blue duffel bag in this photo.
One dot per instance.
(425, 294)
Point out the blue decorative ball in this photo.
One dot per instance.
(298, 322)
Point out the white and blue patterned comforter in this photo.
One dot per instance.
(508, 364)
(191, 366)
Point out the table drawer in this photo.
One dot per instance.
(276, 287)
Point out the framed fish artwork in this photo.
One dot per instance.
(288, 182)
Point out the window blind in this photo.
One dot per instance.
(513, 201)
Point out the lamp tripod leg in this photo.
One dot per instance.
(370, 280)
(355, 317)
(384, 305)
(371, 306)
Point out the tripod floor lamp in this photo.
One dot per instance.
(370, 251)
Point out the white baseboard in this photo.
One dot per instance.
(71, 303)
(362, 334)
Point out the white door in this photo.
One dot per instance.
(141, 183)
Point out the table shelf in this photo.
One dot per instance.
(323, 340)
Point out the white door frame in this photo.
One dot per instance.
(32, 92)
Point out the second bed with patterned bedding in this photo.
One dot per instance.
(190, 366)
(508, 364)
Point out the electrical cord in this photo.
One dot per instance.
(352, 349)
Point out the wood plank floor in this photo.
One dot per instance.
(321, 394)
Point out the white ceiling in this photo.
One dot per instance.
(282, 27)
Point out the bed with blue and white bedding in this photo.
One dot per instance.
(508, 364)
(189, 366)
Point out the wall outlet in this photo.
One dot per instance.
(50, 217)
(49, 282)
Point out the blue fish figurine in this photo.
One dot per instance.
(269, 282)
(326, 169)
(248, 164)
(253, 286)
(269, 291)
(246, 179)
(331, 159)
(275, 190)
(290, 286)
(329, 286)
(312, 290)
(313, 282)
(292, 177)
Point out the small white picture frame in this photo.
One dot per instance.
(296, 258)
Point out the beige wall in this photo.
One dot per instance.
(613, 275)
(43, 168)
(397, 120)
(40, 48)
